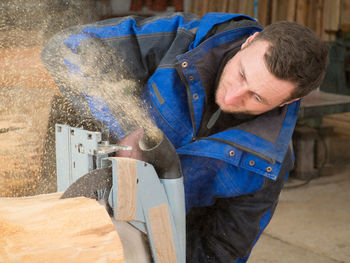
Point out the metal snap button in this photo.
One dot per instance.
(251, 163)
(195, 96)
(232, 153)
(269, 169)
(184, 64)
(191, 78)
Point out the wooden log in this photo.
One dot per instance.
(45, 228)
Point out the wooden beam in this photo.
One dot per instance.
(233, 6)
(331, 18)
(274, 11)
(127, 189)
(291, 10)
(302, 9)
(45, 228)
(224, 6)
(205, 7)
(264, 12)
(319, 18)
(162, 234)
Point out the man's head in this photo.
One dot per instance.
(277, 66)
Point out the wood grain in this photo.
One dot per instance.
(45, 228)
(127, 189)
(162, 234)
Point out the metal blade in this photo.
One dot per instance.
(90, 183)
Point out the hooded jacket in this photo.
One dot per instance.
(232, 177)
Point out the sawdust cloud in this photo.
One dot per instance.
(27, 90)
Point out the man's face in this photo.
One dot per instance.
(246, 85)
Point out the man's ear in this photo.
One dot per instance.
(288, 102)
(249, 39)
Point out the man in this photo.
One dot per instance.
(225, 95)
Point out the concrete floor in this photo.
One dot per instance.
(311, 223)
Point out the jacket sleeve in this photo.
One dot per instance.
(93, 65)
(118, 48)
(228, 230)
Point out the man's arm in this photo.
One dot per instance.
(100, 68)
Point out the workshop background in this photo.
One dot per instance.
(312, 221)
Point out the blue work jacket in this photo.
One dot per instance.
(232, 178)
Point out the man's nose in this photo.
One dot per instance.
(235, 95)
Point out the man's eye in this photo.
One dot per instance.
(257, 98)
(241, 74)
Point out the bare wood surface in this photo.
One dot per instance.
(127, 189)
(291, 10)
(24, 116)
(302, 7)
(264, 12)
(340, 123)
(22, 67)
(162, 234)
(45, 228)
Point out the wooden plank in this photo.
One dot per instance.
(339, 116)
(282, 10)
(274, 11)
(319, 18)
(340, 127)
(291, 10)
(331, 18)
(45, 228)
(205, 7)
(301, 12)
(224, 6)
(192, 6)
(214, 6)
(127, 189)
(233, 6)
(162, 234)
(242, 6)
(264, 12)
(250, 8)
(312, 14)
(345, 14)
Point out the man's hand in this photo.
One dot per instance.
(132, 140)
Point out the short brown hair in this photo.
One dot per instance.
(295, 54)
